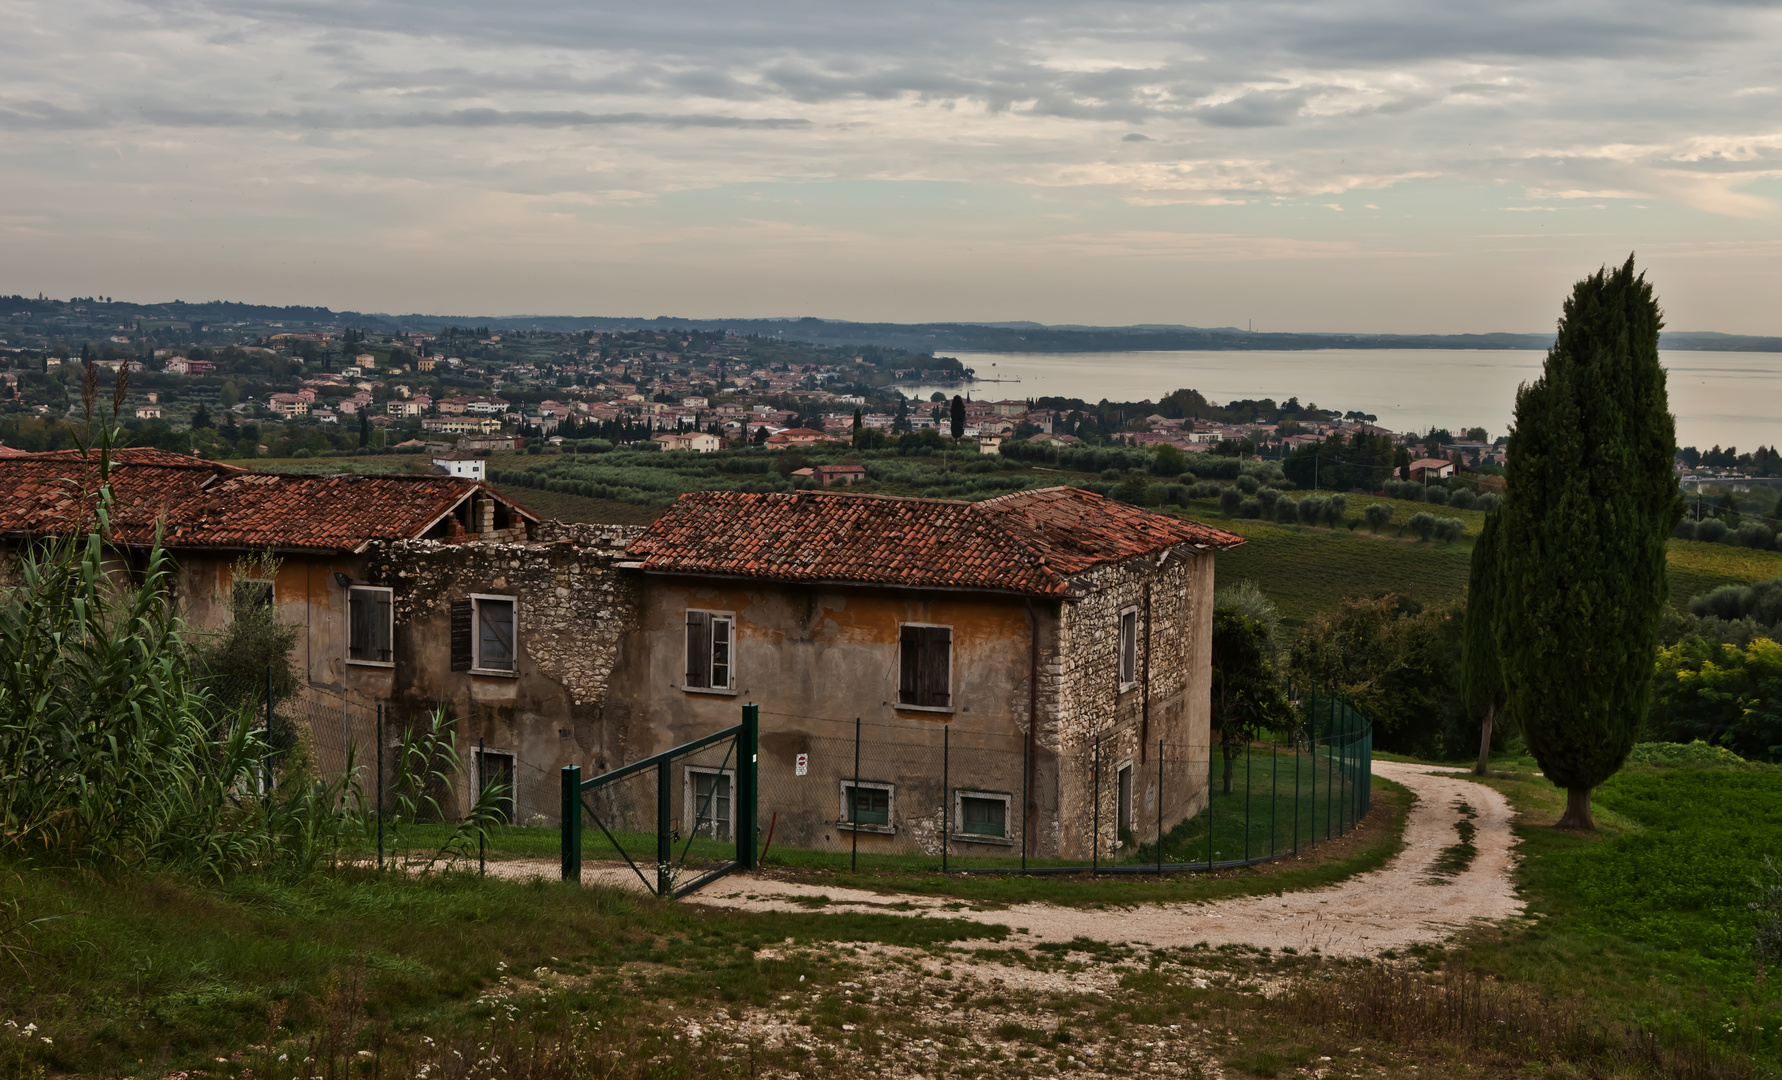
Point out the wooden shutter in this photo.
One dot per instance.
(359, 610)
(926, 670)
(461, 631)
(699, 648)
(383, 627)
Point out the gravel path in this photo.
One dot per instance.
(1409, 901)
(1402, 903)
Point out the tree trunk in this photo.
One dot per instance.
(1577, 811)
(1485, 741)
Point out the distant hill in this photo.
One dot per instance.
(918, 337)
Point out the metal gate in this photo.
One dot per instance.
(699, 797)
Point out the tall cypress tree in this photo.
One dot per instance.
(1591, 499)
(958, 417)
(1481, 676)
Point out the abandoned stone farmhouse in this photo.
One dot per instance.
(1035, 633)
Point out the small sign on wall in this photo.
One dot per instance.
(804, 764)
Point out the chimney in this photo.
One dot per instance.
(485, 514)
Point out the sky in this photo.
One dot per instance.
(1343, 165)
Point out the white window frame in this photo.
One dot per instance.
(390, 663)
(952, 670)
(1121, 657)
(476, 636)
(690, 798)
(728, 617)
(890, 791)
(1008, 817)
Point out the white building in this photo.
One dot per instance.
(471, 467)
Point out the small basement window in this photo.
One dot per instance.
(925, 667)
(981, 814)
(711, 641)
(866, 807)
(370, 626)
(708, 802)
(493, 636)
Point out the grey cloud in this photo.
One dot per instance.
(34, 115)
(1260, 108)
(1136, 137)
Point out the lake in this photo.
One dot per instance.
(1719, 398)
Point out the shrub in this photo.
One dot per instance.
(1378, 515)
(1311, 511)
(1462, 499)
(1685, 530)
(1710, 530)
(1268, 496)
(1448, 530)
(1438, 496)
(1422, 524)
(1250, 508)
(1247, 485)
(1213, 467)
(1334, 509)
(1230, 499)
(1204, 490)
(1411, 492)
(1490, 501)
(1286, 511)
(1754, 534)
(1691, 755)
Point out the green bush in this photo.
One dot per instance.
(1690, 755)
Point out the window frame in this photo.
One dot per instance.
(1125, 810)
(714, 615)
(391, 607)
(690, 799)
(513, 772)
(1126, 659)
(476, 635)
(1008, 806)
(952, 696)
(890, 790)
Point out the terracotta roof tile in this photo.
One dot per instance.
(1029, 542)
(209, 504)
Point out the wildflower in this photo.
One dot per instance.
(282, 1057)
(47, 1041)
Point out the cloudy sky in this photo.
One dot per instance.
(1379, 165)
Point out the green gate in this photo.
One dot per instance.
(700, 795)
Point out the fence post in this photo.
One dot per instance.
(854, 802)
(1343, 768)
(1330, 732)
(664, 824)
(570, 831)
(1159, 807)
(1212, 768)
(1274, 792)
(482, 840)
(746, 813)
(946, 790)
(380, 786)
(1095, 815)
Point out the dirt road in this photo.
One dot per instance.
(1406, 902)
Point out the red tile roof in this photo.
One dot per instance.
(209, 504)
(1029, 542)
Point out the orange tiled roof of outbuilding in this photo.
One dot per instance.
(1028, 542)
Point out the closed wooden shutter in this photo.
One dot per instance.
(925, 674)
(461, 639)
(383, 628)
(699, 648)
(359, 611)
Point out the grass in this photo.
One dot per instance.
(562, 506)
(1647, 918)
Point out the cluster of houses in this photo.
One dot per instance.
(1027, 629)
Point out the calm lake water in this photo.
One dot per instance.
(1719, 398)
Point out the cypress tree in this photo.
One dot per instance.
(1481, 676)
(1591, 500)
(958, 417)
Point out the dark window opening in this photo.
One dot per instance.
(1128, 647)
(495, 775)
(925, 675)
(1123, 793)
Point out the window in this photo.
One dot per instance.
(1128, 647)
(370, 626)
(711, 637)
(866, 807)
(1123, 797)
(708, 803)
(981, 814)
(495, 769)
(925, 671)
(491, 634)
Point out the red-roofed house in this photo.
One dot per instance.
(1030, 626)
